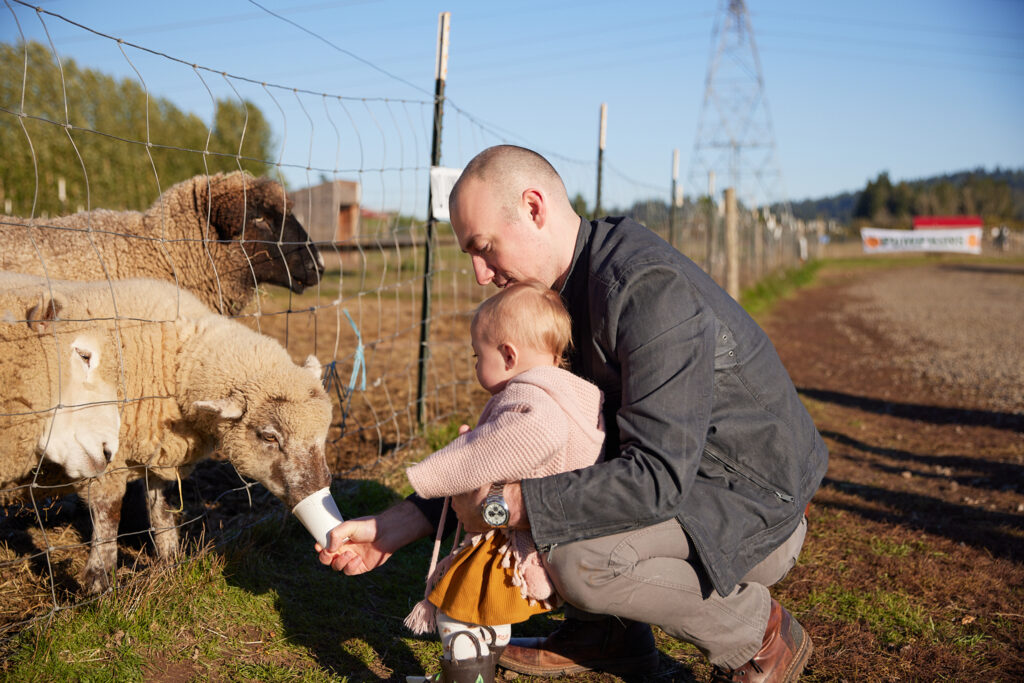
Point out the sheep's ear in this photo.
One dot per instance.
(225, 408)
(41, 316)
(232, 206)
(313, 365)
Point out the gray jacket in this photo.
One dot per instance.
(703, 422)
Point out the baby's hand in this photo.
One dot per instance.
(463, 429)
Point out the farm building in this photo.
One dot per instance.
(329, 211)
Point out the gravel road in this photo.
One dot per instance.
(958, 327)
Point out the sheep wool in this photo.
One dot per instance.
(217, 236)
(194, 382)
(58, 408)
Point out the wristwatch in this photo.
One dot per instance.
(494, 509)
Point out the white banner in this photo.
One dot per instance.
(442, 180)
(962, 240)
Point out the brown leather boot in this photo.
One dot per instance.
(609, 644)
(783, 654)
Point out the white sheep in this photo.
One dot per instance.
(59, 397)
(217, 236)
(194, 382)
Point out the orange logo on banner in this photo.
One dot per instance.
(972, 240)
(872, 242)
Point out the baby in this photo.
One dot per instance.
(540, 420)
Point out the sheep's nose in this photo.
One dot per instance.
(107, 453)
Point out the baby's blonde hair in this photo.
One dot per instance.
(526, 313)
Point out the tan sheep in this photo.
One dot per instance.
(195, 382)
(217, 236)
(59, 398)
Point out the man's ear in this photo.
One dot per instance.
(536, 205)
(509, 353)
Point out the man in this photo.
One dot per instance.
(710, 458)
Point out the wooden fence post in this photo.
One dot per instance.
(732, 245)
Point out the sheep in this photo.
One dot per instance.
(59, 399)
(193, 382)
(217, 236)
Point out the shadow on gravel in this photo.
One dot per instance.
(988, 474)
(987, 269)
(922, 413)
(972, 526)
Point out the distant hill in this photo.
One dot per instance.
(997, 195)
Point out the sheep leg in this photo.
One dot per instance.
(162, 524)
(103, 497)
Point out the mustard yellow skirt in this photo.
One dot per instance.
(476, 589)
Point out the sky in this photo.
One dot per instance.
(850, 89)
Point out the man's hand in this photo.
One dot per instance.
(360, 545)
(467, 507)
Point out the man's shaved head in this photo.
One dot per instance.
(508, 170)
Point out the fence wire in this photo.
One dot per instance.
(125, 185)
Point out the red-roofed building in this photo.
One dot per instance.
(939, 222)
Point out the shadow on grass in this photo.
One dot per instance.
(922, 413)
(983, 473)
(973, 526)
(351, 625)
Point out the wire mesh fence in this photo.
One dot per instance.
(295, 214)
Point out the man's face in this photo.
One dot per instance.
(502, 251)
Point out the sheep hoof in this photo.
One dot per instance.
(95, 580)
(166, 546)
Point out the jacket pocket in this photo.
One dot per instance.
(746, 474)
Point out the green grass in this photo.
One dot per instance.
(892, 617)
(885, 548)
(762, 296)
(439, 436)
(262, 608)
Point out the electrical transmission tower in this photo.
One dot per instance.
(735, 140)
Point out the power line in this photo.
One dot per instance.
(946, 48)
(845, 21)
(342, 50)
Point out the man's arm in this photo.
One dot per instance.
(468, 505)
(365, 543)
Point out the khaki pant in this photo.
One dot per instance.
(652, 575)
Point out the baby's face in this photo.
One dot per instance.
(497, 363)
(493, 367)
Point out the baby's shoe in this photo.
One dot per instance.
(479, 669)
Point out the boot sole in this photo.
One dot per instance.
(642, 664)
(796, 667)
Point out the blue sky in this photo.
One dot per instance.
(912, 87)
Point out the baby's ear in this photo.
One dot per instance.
(509, 353)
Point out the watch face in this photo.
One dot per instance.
(496, 514)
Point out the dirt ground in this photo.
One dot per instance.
(915, 378)
(914, 564)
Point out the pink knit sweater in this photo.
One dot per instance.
(545, 421)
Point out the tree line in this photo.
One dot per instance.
(997, 196)
(79, 140)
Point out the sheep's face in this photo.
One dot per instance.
(276, 434)
(277, 246)
(82, 434)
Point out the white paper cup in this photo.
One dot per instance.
(319, 514)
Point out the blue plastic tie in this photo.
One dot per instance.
(359, 360)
